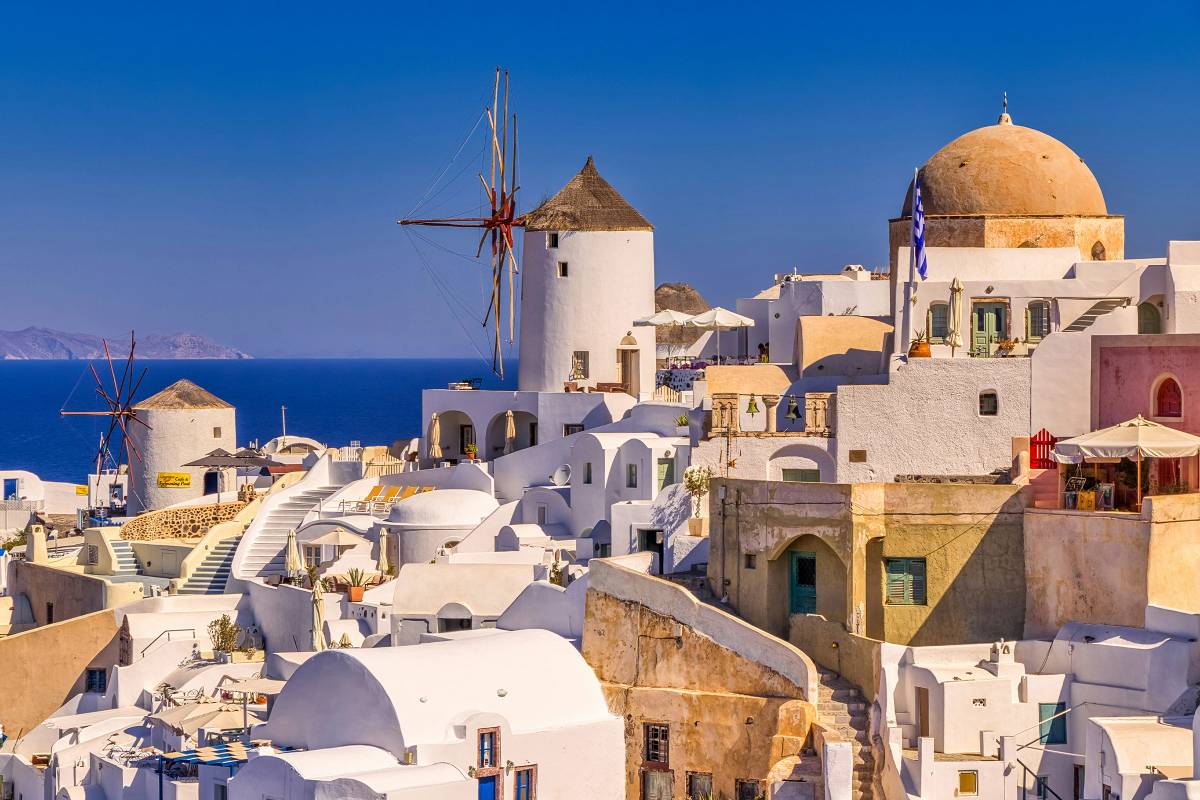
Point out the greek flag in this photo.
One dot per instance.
(918, 229)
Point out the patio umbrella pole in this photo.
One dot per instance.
(1139, 481)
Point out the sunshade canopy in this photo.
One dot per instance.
(665, 317)
(339, 537)
(719, 319)
(1135, 439)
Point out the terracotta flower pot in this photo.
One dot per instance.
(919, 350)
(356, 594)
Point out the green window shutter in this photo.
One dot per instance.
(916, 571)
(897, 581)
(905, 581)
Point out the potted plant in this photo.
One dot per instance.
(471, 451)
(696, 480)
(681, 425)
(224, 634)
(356, 581)
(920, 345)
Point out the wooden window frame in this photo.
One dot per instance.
(740, 782)
(631, 476)
(687, 782)
(497, 767)
(911, 588)
(1029, 336)
(647, 762)
(1155, 387)
(929, 322)
(983, 394)
(532, 770)
(959, 791)
(572, 428)
(551, 240)
(563, 269)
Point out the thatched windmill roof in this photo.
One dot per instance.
(586, 203)
(678, 297)
(182, 394)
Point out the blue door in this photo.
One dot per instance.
(803, 583)
(10, 489)
(487, 788)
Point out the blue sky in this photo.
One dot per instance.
(237, 171)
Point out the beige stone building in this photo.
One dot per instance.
(907, 563)
(1006, 185)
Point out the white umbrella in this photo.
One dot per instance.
(318, 617)
(954, 332)
(1135, 439)
(292, 563)
(667, 316)
(510, 432)
(382, 564)
(338, 537)
(719, 319)
(435, 437)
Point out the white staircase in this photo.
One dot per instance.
(261, 551)
(126, 562)
(1098, 309)
(213, 573)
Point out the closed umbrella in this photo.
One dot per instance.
(292, 562)
(318, 617)
(510, 432)
(382, 564)
(719, 319)
(954, 332)
(435, 437)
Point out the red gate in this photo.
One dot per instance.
(1040, 448)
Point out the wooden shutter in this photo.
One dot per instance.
(916, 571)
(897, 581)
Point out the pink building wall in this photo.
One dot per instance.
(1125, 370)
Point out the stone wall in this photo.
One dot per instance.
(654, 669)
(71, 593)
(187, 522)
(46, 666)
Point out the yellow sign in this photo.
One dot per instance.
(174, 480)
(83, 490)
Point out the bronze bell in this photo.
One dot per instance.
(793, 409)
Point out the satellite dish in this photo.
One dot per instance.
(562, 475)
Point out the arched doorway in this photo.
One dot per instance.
(525, 427)
(629, 365)
(457, 432)
(808, 577)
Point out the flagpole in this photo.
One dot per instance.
(910, 285)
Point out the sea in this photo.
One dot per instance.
(335, 401)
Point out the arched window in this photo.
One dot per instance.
(1098, 252)
(1037, 320)
(1149, 320)
(939, 322)
(1168, 399)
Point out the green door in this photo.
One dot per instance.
(666, 472)
(989, 327)
(803, 599)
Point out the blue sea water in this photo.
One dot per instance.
(331, 400)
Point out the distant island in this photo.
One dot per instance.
(43, 344)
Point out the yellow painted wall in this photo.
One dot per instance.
(44, 667)
(970, 535)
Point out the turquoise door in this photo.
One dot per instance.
(803, 598)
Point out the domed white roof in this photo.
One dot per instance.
(444, 508)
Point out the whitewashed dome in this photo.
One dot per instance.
(444, 508)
